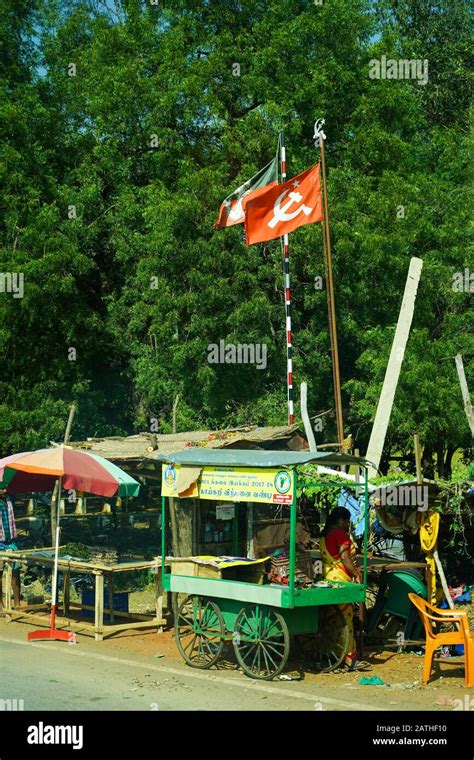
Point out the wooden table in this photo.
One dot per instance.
(103, 573)
(383, 563)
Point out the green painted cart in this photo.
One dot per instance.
(258, 619)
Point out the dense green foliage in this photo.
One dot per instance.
(125, 123)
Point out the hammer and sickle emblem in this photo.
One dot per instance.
(236, 211)
(281, 214)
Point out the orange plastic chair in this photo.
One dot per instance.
(430, 615)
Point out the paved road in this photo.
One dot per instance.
(58, 676)
(89, 676)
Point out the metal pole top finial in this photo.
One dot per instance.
(318, 131)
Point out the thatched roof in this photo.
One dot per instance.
(137, 447)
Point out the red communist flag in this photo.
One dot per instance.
(283, 208)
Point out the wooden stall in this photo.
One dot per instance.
(104, 575)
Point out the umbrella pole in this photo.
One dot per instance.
(53, 634)
(56, 558)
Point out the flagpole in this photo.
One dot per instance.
(320, 137)
(289, 351)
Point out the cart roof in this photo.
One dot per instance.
(198, 457)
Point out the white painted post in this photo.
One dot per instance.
(465, 392)
(392, 373)
(305, 416)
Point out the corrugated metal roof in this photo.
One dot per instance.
(253, 458)
(139, 446)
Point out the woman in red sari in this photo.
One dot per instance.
(338, 555)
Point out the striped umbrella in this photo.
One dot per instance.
(79, 470)
(74, 470)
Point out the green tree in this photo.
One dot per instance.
(125, 124)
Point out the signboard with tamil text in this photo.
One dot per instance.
(270, 486)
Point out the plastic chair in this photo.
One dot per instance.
(430, 615)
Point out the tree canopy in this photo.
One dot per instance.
(125, 123)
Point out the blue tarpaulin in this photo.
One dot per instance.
(355, 507)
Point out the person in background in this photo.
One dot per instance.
(338, 555)
(8, 533)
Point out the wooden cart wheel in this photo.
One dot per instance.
(199, 631)
(261, 642)
(325, 650)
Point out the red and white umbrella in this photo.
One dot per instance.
(75, 470)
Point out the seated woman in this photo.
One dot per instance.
(338, 555)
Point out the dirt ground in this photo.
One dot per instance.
(392, 667)
(399, 671)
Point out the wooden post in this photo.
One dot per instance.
(419, 471)
(392, 373)
(66, 593)
(56, 494)
(72, 411)
(357, 472)
(330, 291)
(181, 512)
(195, 524)
(175, 406)
(8, 586)
(99, 607)
(110, 587)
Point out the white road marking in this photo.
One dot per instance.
(247, 684)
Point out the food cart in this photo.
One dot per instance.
(257, 618)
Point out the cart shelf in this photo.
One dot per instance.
(270, 594)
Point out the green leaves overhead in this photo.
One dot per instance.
(125, 125)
